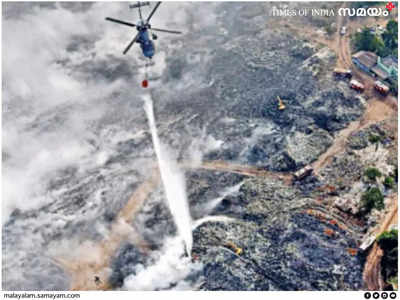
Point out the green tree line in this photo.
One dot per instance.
(385, 45)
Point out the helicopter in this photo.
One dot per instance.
(143, 27)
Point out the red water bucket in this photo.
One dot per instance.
(145, 83)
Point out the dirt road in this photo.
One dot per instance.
(372, 269)
(246, 170)
(375, 112)
(338, 146)
(93, 259)
(342, 43)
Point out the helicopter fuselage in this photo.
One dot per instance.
(146, 44)
(145, 35)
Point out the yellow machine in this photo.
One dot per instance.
(281, 106)
(234, 248)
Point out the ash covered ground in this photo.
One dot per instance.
(76, 145)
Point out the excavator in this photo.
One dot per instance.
(234, 248)
(281, 106)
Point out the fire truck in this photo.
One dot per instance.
(381, 88)
(358, 86)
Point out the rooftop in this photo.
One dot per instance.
(367, 58)
(381, 73)
(390, 61)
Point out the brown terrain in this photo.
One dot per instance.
(372, 271)
(94, 259)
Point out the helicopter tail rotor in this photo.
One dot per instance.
(139, 4)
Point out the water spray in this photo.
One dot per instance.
(173, 182)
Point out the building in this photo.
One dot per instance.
(383, 68)
(388, 65)
(378, 72)
(365, 60)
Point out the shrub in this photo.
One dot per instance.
(372, 198)
(389, 182)
(372, 173)
(393, 281)
(388, 242)
(388, 239)
(374, 138)
(329, 29)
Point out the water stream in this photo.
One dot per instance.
(173, 182)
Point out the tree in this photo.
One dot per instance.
(372, 173)
(366, 40)
(372, 198)
(389, 182)
(388, 242)
(390, 35)
(388, 239)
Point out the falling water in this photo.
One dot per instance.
(173, 181)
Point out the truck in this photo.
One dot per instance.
(358, 86)
(303, 173)
(342, 73)
(381, 88)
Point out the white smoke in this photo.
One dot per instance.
(211, 205)
(171, 267)
(30, 99)
(33, 156)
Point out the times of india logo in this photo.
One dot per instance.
(364, 12)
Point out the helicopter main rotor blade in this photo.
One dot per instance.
(121, 22)
(131, 43)
(152, 12)
(168, 31)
